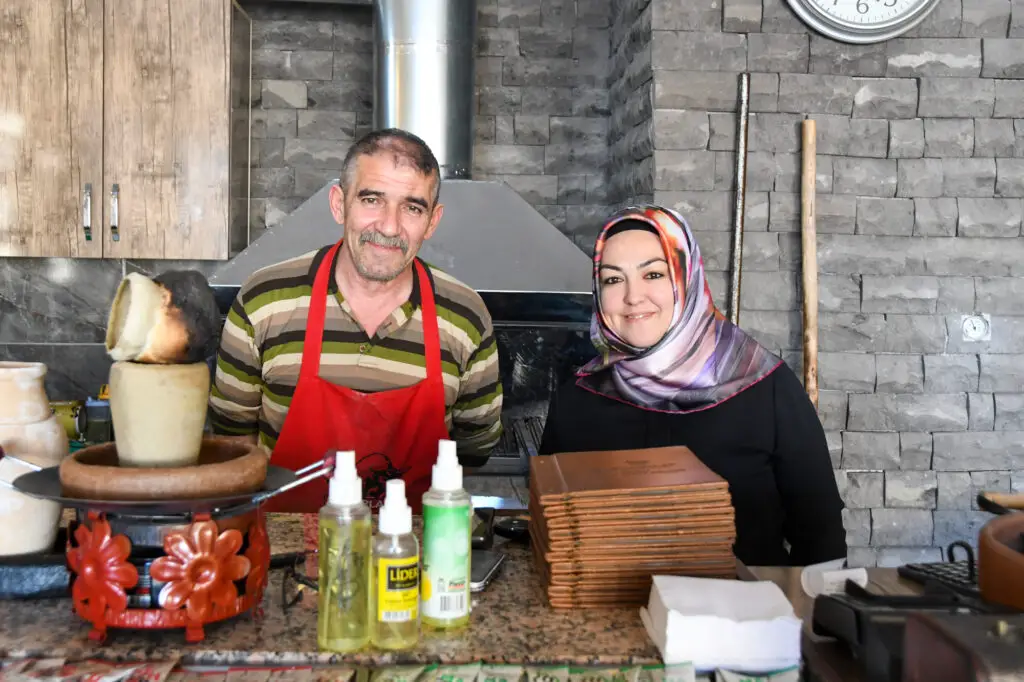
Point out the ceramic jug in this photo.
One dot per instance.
(30, 431)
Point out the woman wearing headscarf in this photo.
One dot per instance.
(671, 370)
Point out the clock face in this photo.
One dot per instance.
(862, 21)
(976, 327)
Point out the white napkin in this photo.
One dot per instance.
(745, 626)
(829, 577)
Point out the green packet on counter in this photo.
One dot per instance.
(787, 675)
(435, 673)
(490, 672)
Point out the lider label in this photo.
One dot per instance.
(398, 590)
(403, 577)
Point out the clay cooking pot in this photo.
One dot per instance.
(226, 467)
(171, 318)
(1000, 560)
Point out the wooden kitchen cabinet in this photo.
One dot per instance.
(51, 126)
(124, 128)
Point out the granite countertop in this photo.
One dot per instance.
(511, 623)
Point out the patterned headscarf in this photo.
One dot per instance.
(702, 360)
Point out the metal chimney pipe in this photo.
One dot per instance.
(424, 75)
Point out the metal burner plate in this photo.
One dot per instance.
(45, 484)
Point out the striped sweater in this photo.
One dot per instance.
(261, 353)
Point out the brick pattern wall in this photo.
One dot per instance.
(920, 180)
(631, 132)
(542, 121)
(313, 95)
(542, 125)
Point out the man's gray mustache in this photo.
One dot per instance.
(383, 240)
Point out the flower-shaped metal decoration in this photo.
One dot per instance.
(258, 555)
(200, 569)
(102, 572)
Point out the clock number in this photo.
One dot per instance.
(861, 22)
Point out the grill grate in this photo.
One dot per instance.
(519, 441)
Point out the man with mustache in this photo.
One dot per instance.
(360, 345)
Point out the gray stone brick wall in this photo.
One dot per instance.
(919, 208)
(312, 90)
(542, 89)
(631, 131)
(543, 117)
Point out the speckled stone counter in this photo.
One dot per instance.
(511, 623)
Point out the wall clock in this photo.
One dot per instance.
(862, 21)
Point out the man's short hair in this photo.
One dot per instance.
(404, 147)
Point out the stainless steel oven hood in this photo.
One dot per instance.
(490, 237)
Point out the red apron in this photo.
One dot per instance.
(394, 433)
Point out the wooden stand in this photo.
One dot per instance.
(809, 249)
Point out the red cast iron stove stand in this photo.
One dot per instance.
(200, 571)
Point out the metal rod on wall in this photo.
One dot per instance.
(809, 260)
(741, 192)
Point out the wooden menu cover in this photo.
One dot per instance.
(602, 523)
(715, 555)
(594, 585)
(600, 474)
(622, 525)
(647, 508)
(602, 535)
(679, 527)
(702, 541)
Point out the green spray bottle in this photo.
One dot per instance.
(447, 544)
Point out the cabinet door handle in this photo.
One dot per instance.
(115, 190)
(87, 211)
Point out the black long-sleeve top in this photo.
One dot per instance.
(766, 442)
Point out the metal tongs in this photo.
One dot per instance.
(324, 467)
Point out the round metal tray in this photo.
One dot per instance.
(45, 484)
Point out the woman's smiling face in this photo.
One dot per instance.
(637, 300)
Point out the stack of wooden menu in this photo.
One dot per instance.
(603, 523)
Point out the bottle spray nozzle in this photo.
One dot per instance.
(396, 514)
(344, 461)
(447, 472)
(345, 487)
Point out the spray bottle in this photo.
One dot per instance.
(447, 544)
(396, 574)
(343, 617)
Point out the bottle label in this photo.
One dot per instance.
(446, 546)
(398, 589)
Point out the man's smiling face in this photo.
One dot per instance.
(388, 212)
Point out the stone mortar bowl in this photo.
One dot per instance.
(226, 468)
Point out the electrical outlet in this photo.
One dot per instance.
(976, 328)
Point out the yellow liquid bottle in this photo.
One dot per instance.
(447, 544)
(395, 601)
(343, 594)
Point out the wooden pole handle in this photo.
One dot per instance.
(809, 250)
(1008, 500)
